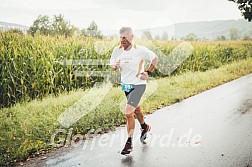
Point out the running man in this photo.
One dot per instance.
(129, 58)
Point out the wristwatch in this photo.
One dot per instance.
(149, 72)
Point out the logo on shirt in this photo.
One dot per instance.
(126, 59)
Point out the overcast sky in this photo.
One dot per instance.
(112, 14)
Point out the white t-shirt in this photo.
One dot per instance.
(132, 63)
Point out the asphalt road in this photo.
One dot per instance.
(212, 129)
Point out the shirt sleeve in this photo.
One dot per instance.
(148, 54)
(113, 57)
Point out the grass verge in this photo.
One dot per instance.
(26, 128)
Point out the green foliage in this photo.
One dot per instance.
(164, 36)
(190, 37)
(147, 35)
(246, 37)
(15, 30)
(92, 31)
(233, 33)
(58, 26)
(245, 7)
(62, 27)
(221, 38)
(41, 25)
(33, 67)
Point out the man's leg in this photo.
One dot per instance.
(145, 127)
(129, 113)
(139, 114)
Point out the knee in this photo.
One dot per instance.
(129, 111)
(138, 110)
(129, 116)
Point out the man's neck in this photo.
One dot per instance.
(128, 48)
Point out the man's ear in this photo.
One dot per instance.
(132, 36)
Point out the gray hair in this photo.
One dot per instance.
(126, 29)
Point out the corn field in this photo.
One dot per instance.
(32, 67)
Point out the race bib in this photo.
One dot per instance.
(127, 87)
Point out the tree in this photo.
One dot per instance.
(246, 37)
(245, 7)
(157, 37)
(191, 37)
(147, 35)
(164, 36)
(62, 27)
(221, 38)
(59, 26)
(92, 30)
(233, 33)
(83, 32)
(77, 32)
(41, 25)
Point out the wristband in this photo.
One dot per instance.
(149, 72)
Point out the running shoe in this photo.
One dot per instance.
(127, 148)
(144, 132)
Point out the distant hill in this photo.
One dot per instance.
(5, 26)
(202, 29)
(211, 29)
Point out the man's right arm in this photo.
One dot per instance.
(113, 63)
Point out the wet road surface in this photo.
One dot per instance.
(212, 129)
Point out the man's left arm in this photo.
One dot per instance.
(153, 64)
